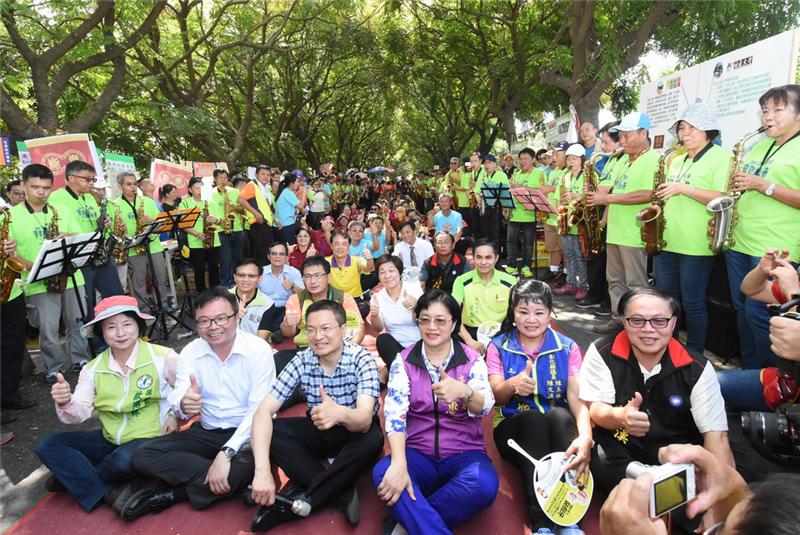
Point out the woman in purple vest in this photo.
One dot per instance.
(438, 474)
(534, 371)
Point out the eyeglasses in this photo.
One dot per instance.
(220, 321)
(277, 253)
(656, 323)
(439, 322)
(314, 276)
(89, 179)
(324, 331)
(246, 275)
(16, 193)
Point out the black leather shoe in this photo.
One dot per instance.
(152, 499)
(118, 496)
(268, 517)
(350, 505)
(17, 403)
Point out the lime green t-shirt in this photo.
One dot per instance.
(554, 179)
(622, 227)
(612, 168)
(29, 229)
(572, 184)
(498, 177)
(196, 243)
(532, 179)
(83, 207)
(462, 180)
(128, 215)
(686, 218)
(217, 206)
(765, 222)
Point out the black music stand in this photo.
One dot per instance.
(63, 257)
(183, 218)
(497, 195)
(533, 199)
(160, 313)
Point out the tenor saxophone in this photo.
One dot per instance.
(10, 266)
(56, 284)
(651, 219)
(208, 229)
(726, 216)
(563, 209)
(227, 214)
(119, 231)
(106, 248)
(141, 221)
(585, 217)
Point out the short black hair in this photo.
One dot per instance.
(36, 170)
(239, 180)
(444, 233)
(391, 259)
(340, 234)
(540, 152)
(440, 296)
(194, 180)
(165, 190)
(12, 183)
(281, 244)
(97, 328)
(527, 291)
(481, 242)
(219, 171)
(409, 223)
(327, 304)
(217, 292)
(788, 94)
(262, 167)
(771, 506)
(527, 150)
(76, 166)
(247, 262)
(312, 261)
(607, 130)
(636, 291)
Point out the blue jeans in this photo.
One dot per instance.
(685, 277)
(230, 254)
(103, 279)
(574, 261)
(86, 463)
(527, 230)
(752, 318)
(449, 491)
(742, 390)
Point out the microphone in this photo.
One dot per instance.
(298, 507)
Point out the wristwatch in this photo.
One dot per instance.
(229, 452)
(770, 190)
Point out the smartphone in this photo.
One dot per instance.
(673, 485)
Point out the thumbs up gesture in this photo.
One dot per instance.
(374, 306)
(366, 253)
(286, 283)
(311, 251)
(60, 391)
(635, 421)
(523, 382)
(328, 413)
(448, 390)
(192, 400)
(408, 301)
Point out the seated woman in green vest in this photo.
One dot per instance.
(533, 371)
(127, 386)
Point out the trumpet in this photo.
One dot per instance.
(10, 266)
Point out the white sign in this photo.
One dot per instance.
(558, 129)
(730, 84)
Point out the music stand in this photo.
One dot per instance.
(497, 196)
(536, 201)
(183, 218)
(63, 257)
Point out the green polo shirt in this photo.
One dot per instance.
(128, 214)
(196, 243)
(764, 221)
(554, 179)
(483, 302)
(532, 179)
(217, 206)
(83, 207)
(687, 219)
(622, 227)
(29, 229)
(16, 288)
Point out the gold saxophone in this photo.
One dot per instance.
(119, 230)
(10, 266)
(473, 198)
(208, 229)
(585, 217)
(726, 216)
(56, 284)
(454, 182)
(227, 214)
(651, 219)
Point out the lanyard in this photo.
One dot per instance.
(770, 153)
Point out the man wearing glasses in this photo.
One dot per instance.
(76, 198)
(646, 390)
(340, 380)
(257, 312)
(15, 192)
(279, 282)
(222, 376)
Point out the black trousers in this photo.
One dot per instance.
(183, 459)
(298, 447)
(538, 434)
(596, 275)
(388, 348)
(12, 345)
(199, 258)
(260, 238)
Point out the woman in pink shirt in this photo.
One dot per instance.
(127, 386)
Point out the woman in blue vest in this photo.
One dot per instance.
(438, 474)
(127, 387)
(534, 372)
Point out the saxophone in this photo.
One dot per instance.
(587, 218)
(141, 221)
(227, 215)
(58, 283)
(10, 266)
(454, 181)
(473, 198)
(563, 209)
(104, 251)
(651, 219)
(118, 231)
(208, 230)
(725, 218)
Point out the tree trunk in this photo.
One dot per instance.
(588, 110)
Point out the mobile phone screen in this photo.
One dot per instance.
(670, 492)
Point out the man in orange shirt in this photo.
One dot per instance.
(256, 199)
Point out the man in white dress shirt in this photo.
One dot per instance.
(223, 376)
(413, 251)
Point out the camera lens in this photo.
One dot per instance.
(765, 427)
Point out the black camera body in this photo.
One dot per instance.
(776, 435)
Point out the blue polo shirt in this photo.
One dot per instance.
(272, 285)
(451, 223)
(284, 208)
(381, 243)
(357, 249)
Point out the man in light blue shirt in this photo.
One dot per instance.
(280, 280)
(447, 219)
(376, 233)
